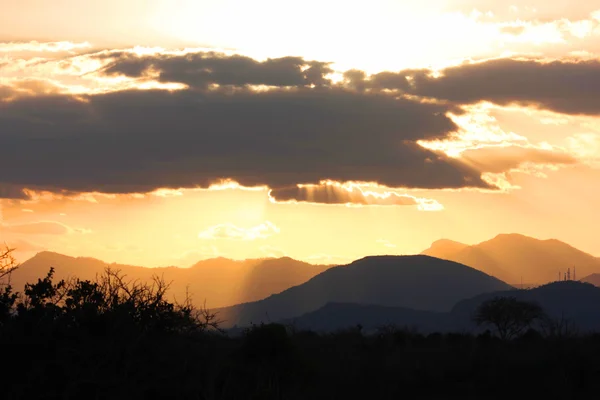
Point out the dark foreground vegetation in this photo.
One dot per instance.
(117, 339)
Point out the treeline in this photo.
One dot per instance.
(109, 305)
(117, 339)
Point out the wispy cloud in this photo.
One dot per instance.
(233, 232)
(386, 243)
(35, 46)
(271, 251)
(41, 228)
(330, 259)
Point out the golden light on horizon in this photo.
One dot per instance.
(523, 151)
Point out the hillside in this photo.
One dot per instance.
(514, 258)
(219, 281)
(577, 301)
(417, 282)
(594, 279)
(336, 316)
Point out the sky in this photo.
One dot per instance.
(163, 132)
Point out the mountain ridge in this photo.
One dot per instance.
(513, 257)
(571, 301)
(219, 281)
(419, 282)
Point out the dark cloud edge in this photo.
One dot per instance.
(413, 82)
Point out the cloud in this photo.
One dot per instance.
(329, 192)
(35, 46)
(12, 191)
(386, 243)
(41, 228)
(192, 138)
(273, 252)
(277, 123)
(586, 146)
(200, 70)
(329, 259)
(513, 29)
(24, 246)
(498, 159)
(527, 9)
(232, 232)
(568, 87)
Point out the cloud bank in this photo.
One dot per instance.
(281, 123)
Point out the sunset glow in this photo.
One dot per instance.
(166, 131)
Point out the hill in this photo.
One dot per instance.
(444, 248)
(219, 281)
(577, 301)
(335, 316)
(594, 279)
(417, 282)
(514, 258)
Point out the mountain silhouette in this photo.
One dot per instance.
(336, 316)
(577, 301)
(515, 258)
(594, 279)
(219, 281)
(418, 282)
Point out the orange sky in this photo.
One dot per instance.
(392, 126)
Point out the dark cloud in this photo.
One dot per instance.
(199, 70)
(390, 80)
(137, 141)
(329, 194)
(5, 92)
(306, 131)
(561, 86)
(12, 191)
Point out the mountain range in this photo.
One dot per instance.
(434, 291)
(576, 302)
(416, 282)
(219, 281)
(515, 258)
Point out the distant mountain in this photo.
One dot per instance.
(577, 301)
(444, 248)
(336, 316)
(219, 281)
(514, 258)
(594, 279)
(417, 282)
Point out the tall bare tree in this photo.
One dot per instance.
(508, 315)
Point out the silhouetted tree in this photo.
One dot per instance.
(7, 263)
(559, 328)
(110, 304)
(509, 316)
(7, 298)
